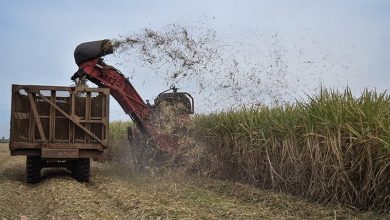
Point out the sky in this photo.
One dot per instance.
(332, 43)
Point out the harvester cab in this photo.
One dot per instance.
(159, 122)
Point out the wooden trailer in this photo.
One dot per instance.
(59, 127)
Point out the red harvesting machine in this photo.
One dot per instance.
(88, 57)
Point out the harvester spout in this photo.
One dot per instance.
(92, 50)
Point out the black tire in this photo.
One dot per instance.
(81, 169)
(33, 169)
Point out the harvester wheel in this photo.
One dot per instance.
(81, 169)
(33, 169)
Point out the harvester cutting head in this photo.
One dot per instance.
(168, 119)
(176, 98)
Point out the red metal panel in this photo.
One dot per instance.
(122, 90)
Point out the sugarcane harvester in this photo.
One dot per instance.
(88, 57)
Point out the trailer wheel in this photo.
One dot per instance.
(69, 165)
(81, 169)
(33, 169)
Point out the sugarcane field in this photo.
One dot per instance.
(195, 110)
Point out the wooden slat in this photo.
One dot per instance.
(72, 112)
(52, 121)
(31, 125)
(36, 116)
(27, 145)
(72, 119)
(88, 114)
(59, 88)
(93, 121)
(21, 115)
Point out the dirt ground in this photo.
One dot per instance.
(115, 193)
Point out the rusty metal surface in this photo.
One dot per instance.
(59, 118)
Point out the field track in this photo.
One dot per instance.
(114, 193)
